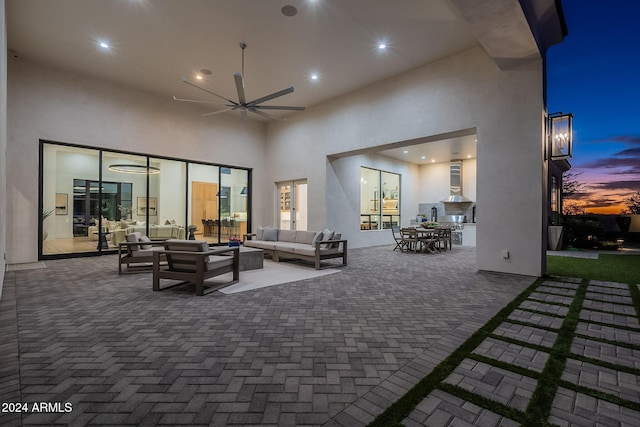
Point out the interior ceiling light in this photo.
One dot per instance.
(104, 45)
(382, 46)
(134, 169)
(314, 76)
(205, 71)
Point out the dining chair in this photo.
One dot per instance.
(443, 238)
(397, 236)
(429, 241)
(410, 237)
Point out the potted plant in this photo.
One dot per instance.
(192, 230)
(234, 241)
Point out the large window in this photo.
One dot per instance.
(379, 199)
(92, 198)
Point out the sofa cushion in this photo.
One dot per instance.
(146, 252)
(270, 234)
(336, 236)
(287, 236)
(217, 261)
(310, 251)
(144, 239)
(260, 244)
(317, 238)
(259, 233)
(184, 262)
(287, 246)
(305, 237)
(134, 237)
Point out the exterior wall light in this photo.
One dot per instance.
(560, 135)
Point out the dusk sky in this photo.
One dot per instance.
(595, 74)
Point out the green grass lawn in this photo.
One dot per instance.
(613, 268)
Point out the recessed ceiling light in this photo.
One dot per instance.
(406, 152)
(433, 160)
(382, 46)
(423, 157)
(104, 45)
(199, 77)
(205, 71)
(289, 10)
(314, 76)
(468, 156)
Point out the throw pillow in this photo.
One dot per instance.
(327, 235)
(317, 238)
(167, 222)
(260, 233)
(133, 222)
(270, 234)
(336, 236)
(133, 237)
(144, 239)
(124, 224)
(141, 222)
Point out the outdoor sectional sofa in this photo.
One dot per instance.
(313, 246)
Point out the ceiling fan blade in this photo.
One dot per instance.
(175, 98)
(184, 80)
(270, 97)
(268, 116)
(278, 107)
(244, 116)
(213, 113)
(240, 87)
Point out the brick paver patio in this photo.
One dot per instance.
(335, 350)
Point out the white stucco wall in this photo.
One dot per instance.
(3, 144)
(56, 105)
(434, 181)
(464, 91)
(461, 92)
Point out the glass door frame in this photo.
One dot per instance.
(292, 202)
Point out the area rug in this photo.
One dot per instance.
(273, 273)
(25, 266)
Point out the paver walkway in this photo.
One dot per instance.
(600, 378)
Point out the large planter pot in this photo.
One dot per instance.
(232, 244)
(554, 238)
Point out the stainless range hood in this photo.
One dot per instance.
(456, 203)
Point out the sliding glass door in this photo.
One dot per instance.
(91, 199)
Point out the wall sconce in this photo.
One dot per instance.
(560, 135)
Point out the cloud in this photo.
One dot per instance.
(631, 163)
(617, 185)
(624, 139)
(601, 203)
(627, 139)
(631, 152)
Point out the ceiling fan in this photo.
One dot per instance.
(242, 104)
